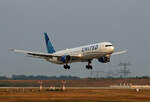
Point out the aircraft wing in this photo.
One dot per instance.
(118, 53)
(42, 55)
(34, 54)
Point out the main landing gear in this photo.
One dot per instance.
(66, 66)
(89, 66)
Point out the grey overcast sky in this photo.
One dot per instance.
(71, 23)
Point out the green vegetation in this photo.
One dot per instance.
(38, 77)
(42, 77)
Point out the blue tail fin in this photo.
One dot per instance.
(50, 48)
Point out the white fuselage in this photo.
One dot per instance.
(85, 53)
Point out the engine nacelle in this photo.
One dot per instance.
(104, 59)
(65, 58)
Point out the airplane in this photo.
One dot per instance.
(101, 51)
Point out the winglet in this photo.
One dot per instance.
(50, 48)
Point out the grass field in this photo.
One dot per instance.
(72, 95)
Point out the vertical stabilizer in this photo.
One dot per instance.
(50, 48)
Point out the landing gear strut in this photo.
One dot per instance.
(89, 66)
(66, 66)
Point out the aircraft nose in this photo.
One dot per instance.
(112, 48)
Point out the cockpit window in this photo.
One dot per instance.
(108, 45)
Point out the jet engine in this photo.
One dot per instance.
(65, 58)
(104, 59)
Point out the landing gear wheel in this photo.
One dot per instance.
(66, 66)
(89, 67)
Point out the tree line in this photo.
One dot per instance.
(38, 77)
(42, 77)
